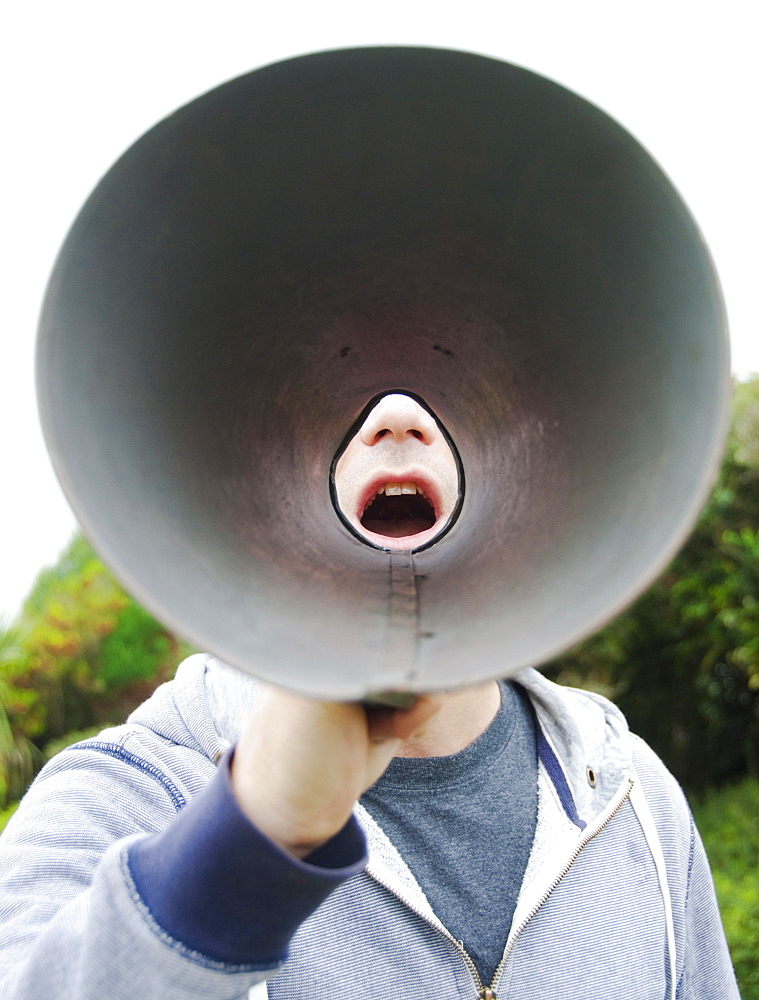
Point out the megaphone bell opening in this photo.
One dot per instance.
(294, 243)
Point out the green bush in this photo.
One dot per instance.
(5, 815)
(683, 662)
(728, 821)
(135, 650)
(81, 655)
(19, 757)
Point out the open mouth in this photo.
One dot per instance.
(399, 509)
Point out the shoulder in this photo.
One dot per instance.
(150, 766)
(662, 788)
(669, 808)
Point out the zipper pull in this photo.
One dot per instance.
(487, 994)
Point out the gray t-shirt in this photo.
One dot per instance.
(464, 824)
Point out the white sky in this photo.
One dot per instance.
(82, 80)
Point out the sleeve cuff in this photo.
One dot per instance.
(215, 883)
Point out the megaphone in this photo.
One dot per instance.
(298, 241)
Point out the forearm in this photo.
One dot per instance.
(87, 913)
(215, 883)
(104, 943)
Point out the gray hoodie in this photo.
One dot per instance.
(617, 899)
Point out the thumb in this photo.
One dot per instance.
(401, 723)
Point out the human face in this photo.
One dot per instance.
(397, 482)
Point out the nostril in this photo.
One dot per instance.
(383, 432)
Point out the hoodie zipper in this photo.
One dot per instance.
(489, 992)
(588, 835)
(483, 992)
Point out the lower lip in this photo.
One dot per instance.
(404, 542)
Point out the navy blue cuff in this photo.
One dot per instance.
(215, 883)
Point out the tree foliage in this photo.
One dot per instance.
(19, 758)
(683, 662)
(81, 654)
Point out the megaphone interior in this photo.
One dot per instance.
(275, 255)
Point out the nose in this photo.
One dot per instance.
(398, 417)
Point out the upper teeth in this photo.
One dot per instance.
(396, 489)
